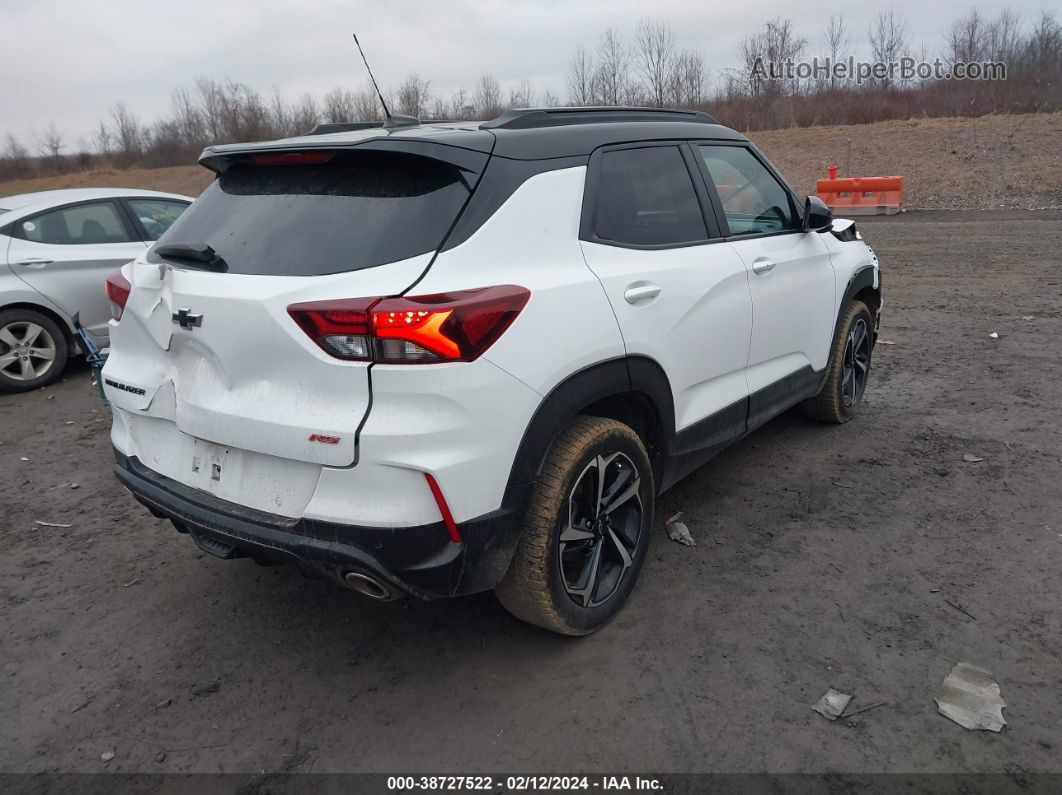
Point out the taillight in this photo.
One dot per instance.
(118, 288)
(445, 327)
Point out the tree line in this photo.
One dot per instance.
(647, 68)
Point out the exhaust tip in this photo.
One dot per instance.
(367, 586)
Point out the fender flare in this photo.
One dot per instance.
(860, 280)
(631, 375)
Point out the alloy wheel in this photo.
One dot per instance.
(855, 363)
(27, 351)
(604, 523)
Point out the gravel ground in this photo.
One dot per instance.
(869, 557)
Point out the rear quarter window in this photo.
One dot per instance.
(358, 210)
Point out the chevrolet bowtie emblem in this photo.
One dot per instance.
(185, 319)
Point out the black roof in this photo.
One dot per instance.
(529, 134)
(534, 118)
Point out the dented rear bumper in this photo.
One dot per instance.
(420, 561)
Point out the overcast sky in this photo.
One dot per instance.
(70, 61)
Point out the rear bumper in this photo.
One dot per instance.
(420, 561)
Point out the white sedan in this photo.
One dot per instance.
(56, 249)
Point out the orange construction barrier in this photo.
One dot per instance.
(861, 195)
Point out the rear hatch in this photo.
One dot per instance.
(206, 342)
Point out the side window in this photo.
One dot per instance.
(156, 215)
(646, 197)
(82, 224)
(753, 200)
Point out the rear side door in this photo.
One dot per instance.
(66, 253)
(790, 275)
(680, 293)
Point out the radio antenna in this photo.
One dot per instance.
(379, 93)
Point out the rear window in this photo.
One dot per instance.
(359, 210)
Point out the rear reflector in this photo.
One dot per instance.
(445, 327)
(290, 158)
(118, 288)
(444, 509)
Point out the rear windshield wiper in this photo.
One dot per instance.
(200, 253)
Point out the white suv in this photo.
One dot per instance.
(445, 358)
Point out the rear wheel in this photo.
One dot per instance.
(848, 370)
(32, 350)
(586, 530)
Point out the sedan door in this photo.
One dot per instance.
(790, 275)
(66, 253)
(680, 293)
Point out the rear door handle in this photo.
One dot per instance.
(640, 292)
(762, 266)
(34, 262)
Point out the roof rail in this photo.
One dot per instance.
(344, 126)
(530, 118)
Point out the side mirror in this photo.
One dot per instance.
(818, 217)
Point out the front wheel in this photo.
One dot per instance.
(848, 370)
(32, 350)
(586, 530)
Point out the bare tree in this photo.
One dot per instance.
(550, 100)
(413, 96)
(888, 41)
(764, 55)
(339, 106)
(49, 141)
(689, 83)
(189, 117)
(17, 157)
(522, 95)
(367, 104)
(487, 97)
(1043, 49)
(656, 60)
(304, 115)
(279, 114)
(1003, 38)
(210, 106)
(102, 139)
(612, 77)
(461, 107)
(581, 89)
(837, 41)
(966, 39)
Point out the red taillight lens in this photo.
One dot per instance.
(446, 327)
(341, 328)
(290, 158)
(118, 288)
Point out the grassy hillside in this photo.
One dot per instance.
(954, 163)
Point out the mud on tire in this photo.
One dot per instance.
(595, 497)
(848, 370)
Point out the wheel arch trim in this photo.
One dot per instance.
(638, 377)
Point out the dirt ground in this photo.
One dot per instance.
(1009, 161)
(869, 557)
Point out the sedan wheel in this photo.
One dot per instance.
(32, 350)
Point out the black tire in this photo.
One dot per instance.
(538, 586)
(848, 370)
(16, 362)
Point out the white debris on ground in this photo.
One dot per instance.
(832, 704)
(971, 698)
(970, 458)
(677, 531)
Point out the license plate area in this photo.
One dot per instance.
(266, 483)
